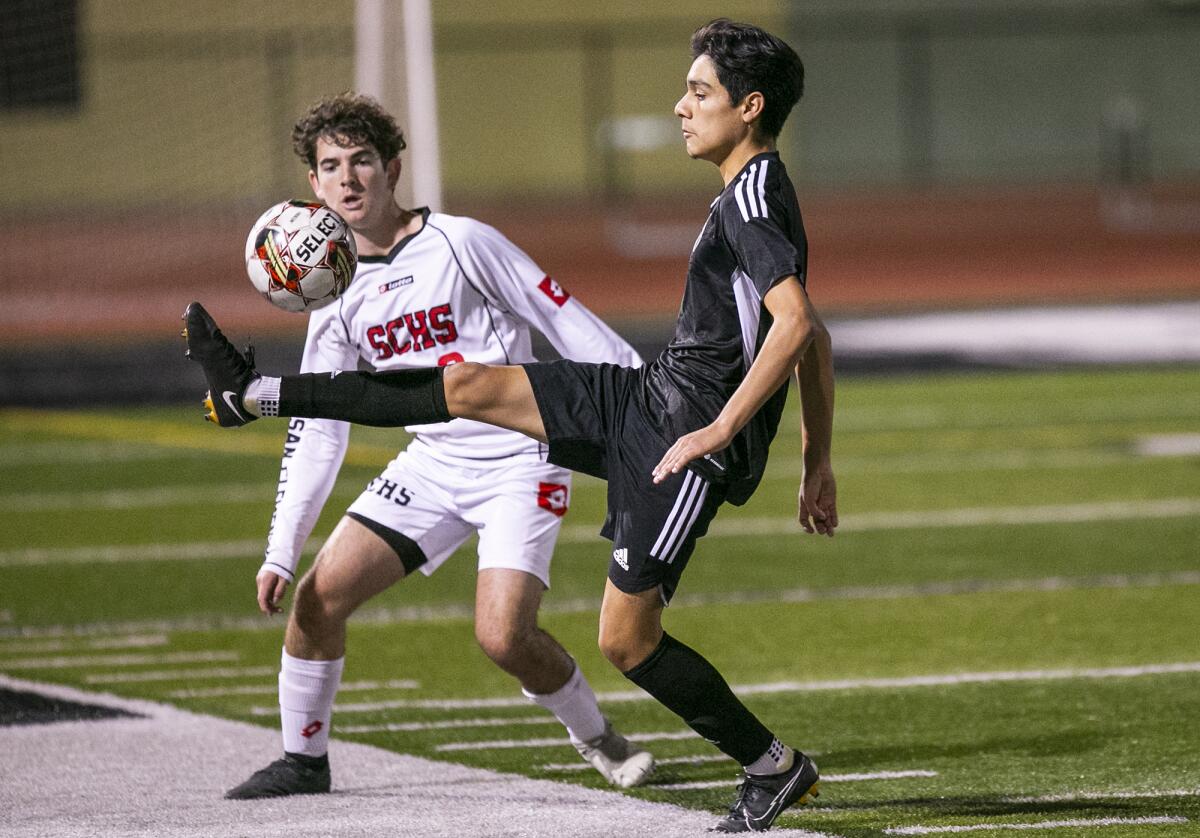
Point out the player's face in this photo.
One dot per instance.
(712, 123)
(354, 182)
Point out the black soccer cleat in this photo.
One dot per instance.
(282, 778)
(761, 798)
(227, 371)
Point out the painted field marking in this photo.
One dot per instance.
(732, 528)
(946, 462)
(904, 682)
(272, 689)
(72, 453)
(555, 742)
(1169, 445)
(698, 759)
(180, 675)
(1076, 823)
(825, 778)
(152, 498)
(1067, 797)
(465, 611)
(83, 662)
(186, 551)
(448, 724)
(133, 641)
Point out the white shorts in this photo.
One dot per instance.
(516, 509)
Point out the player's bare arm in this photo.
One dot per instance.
(817, 508)
(792, 331)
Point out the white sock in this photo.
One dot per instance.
(779, 757)
(573, 704)
(306, 692)
(262, 396)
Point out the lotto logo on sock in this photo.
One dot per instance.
(314, 727)
(553, 497)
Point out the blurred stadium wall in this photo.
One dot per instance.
(946, 149)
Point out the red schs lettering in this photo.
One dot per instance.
(378, 340)
(393, 327)
(418, 327)
(441, 319)
(450, 358)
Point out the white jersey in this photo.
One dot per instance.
(457, 290)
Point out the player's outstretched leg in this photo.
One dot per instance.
(227, 371)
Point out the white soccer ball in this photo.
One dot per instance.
(300, 255)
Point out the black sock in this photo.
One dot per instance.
(384, 399)
(689, 686)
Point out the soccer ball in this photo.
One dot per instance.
(300, 255)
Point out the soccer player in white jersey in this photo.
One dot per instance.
(430, 290)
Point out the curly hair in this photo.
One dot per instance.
(347, 119)
(747, 59)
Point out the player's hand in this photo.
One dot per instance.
(818, 500)
(707, 440)
(271, 589)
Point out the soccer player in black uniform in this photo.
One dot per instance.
(674, 439)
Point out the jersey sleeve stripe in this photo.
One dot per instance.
(752, 193)
(762, 188)
(741, 200)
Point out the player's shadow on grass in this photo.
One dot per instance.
(983, 806)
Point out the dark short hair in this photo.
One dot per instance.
(747, 59)
(347, 119)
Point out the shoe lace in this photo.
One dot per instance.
(739, 802)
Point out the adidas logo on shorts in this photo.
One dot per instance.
(621, 557)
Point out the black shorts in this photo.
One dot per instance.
(596, 424)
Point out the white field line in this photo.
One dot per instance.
(83, 662)
(825, 778)
(1169, 445)
(730, 528)
(181, 675)
(272, 689)
(697, 759)
(95, 554)
(465, 611)
(65, 451)
(948, 680)
(947, 462)
(448, 724)
(1068, 797)
(133, 641)
(554, 742)
(152, 498)
(1075, 823)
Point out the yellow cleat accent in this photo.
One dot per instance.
(211, 416)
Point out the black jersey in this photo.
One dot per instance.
(753, 238)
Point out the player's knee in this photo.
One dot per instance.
(505, 644)
(620, 650)
(310, 612)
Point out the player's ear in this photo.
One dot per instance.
(752, 106)
(393, 171)
(314, 183)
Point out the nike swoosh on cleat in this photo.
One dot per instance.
(228, 396)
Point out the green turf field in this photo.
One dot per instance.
(1003, 633)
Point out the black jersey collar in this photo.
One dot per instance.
(395, 251)
(774, 155)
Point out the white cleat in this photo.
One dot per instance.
(620, 761)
